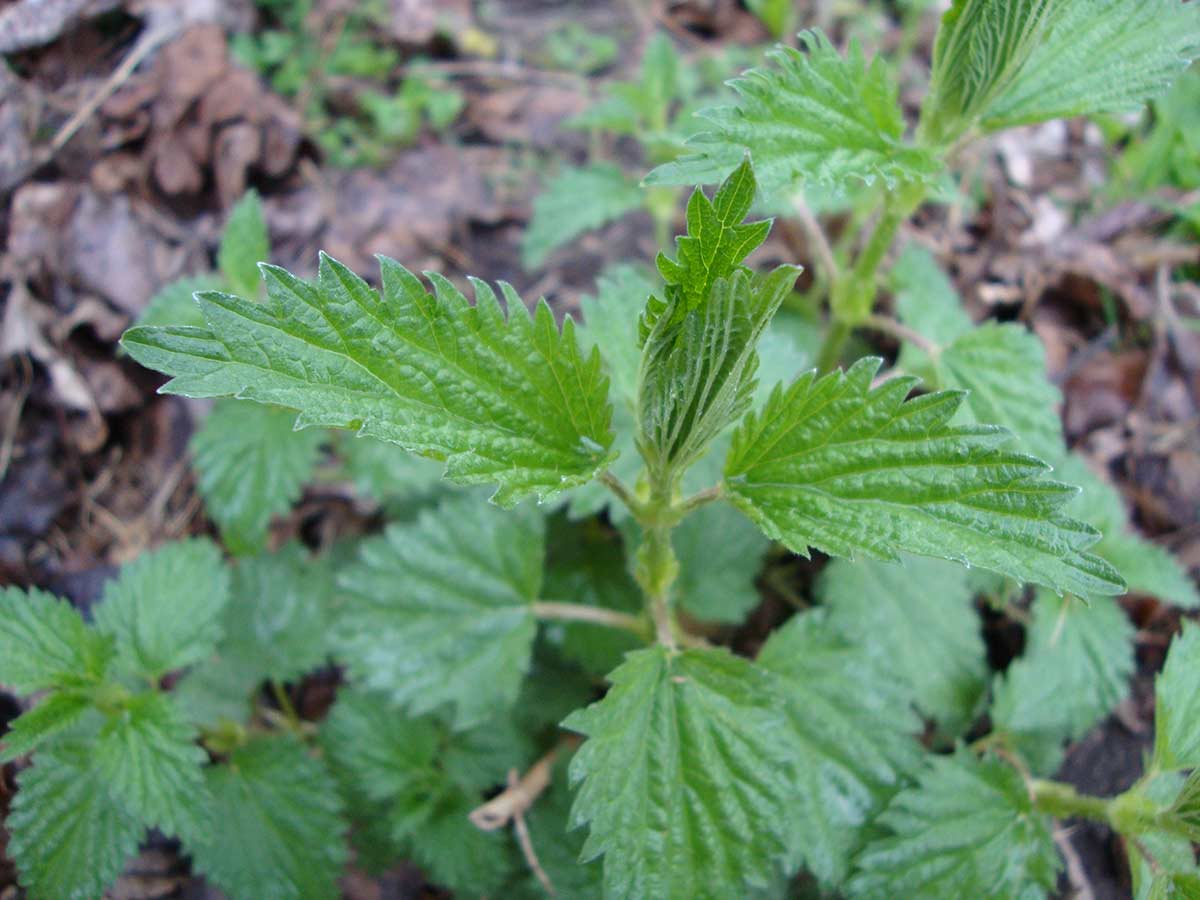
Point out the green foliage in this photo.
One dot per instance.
(44, 643)
(814, 117)
(244, 244)
(279, 832)
(850, 730)
(251, 465)
(917, 617)
(1076, 667)
(968, 829)
(67, 837)
(1177, 704)
(439, 611)
(720, 554)
(683, 776)
(575, 201)
(164, 610)
(500, 413)
(833, 464)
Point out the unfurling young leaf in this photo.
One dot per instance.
(834, 464)
(440, 610)
(685, 774)
(508, 400)
(699, 339)
(814, 117)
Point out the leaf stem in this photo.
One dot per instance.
(900, 331)
(831, 347)
(594, 615)
(1062, 801)
(699, 499)
(623, 493)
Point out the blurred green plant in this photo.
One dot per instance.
(341, 74)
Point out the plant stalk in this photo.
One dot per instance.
(594, 615)
(1062, 801)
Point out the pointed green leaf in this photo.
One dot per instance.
(439, 611)
(504, 399)
(1076, 667)
(1177, 704)
(980, 50)
(684, 776)
(244, 244)
(917, 616)
(280, 613)
(698, 358)
(164, 609)
(44, 643)
(173, 304)
(832, 463)
(280, 834)
(148, 756)
(851, 735)
(455, 853)
(68, 839)
(576, 201)
(968, 829)
(1175, 870)
(52, 715)
(720, 554)
(1003, 367)
(251, 465)
(812, 117)
(1185, 811)
(1144, 45)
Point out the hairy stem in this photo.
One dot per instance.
(1062, 801)
(594, 615)
(623, 493)
(699, 499)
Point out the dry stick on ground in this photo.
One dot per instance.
(515, 801)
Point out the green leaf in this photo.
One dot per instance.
(813, 117)
(68, 839)
(558, 848)
(917, 617)
(574, 202)
(174, 305)
(968, 829)
(455, 853)
(439, 611)
(280, 613)
(1185, 811)
(851, 736)
(280, 833)
(164, 609)
(586, 564)
(1003, 367)
(979, 52)
(698, 356)
(684, 776)
(832, 463)
(44, 643)
(1146, 567)
(610, 325)
(244, 244)
(1077, 664)
(53, 715)
(383, 471)
(219, 691)
(1177, 704)
(1144, 44)
(148, 756)
(507, 400)
(720, 554)
(251, 465)
(1175, 870)
(926, 300)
